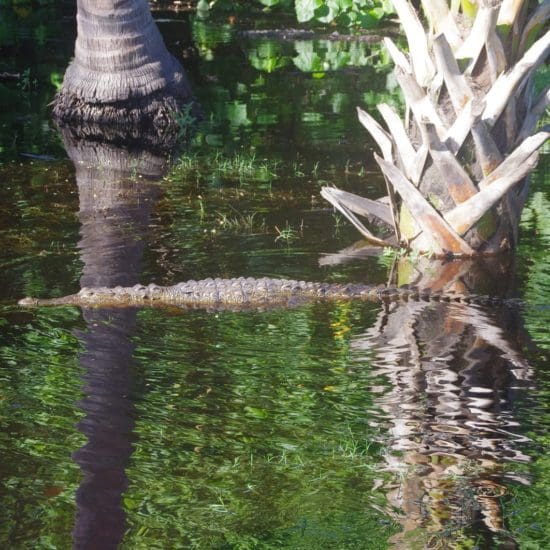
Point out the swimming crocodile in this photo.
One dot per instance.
(245, 293)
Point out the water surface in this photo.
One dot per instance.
(328, 425)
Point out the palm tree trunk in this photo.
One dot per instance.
(457, 167)
(122, 74)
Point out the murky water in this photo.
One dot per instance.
(337, 425)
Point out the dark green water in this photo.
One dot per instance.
(323, 426)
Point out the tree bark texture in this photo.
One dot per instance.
(122, 74)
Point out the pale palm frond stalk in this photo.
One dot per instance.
(457, 169)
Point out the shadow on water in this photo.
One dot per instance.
(117, 189)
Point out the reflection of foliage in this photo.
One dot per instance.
(526, 511)
(535, 241)
(207, 37)
(267, 56)
(261, 100)
(39, 384)
(318, 56)
(330, 55)
(37, 229)
(254, 422)
(29, 46)
(307, 59)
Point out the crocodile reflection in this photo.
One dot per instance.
(117, 189)
(454, 378)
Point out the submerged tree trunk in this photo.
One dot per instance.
(122, 75)
(457, 166)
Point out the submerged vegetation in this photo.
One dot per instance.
(242, 223)
(218, 169)
(238, 447)
(342, 425)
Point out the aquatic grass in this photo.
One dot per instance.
(267, 454)
(288, 235)
(40, 381)
(241, 223)
(297, 170)
(337, 223)
(241, 168)
(353, 448)
(186, 121)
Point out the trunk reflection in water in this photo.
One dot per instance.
(117, 189)
(454, 377)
